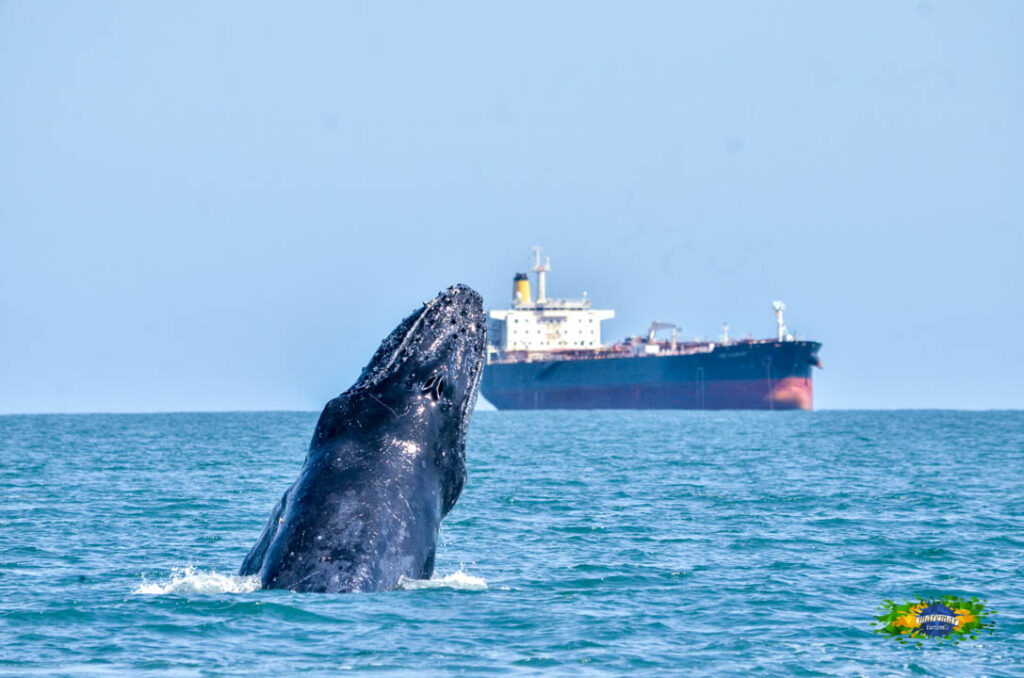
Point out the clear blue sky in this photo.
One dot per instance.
(227, 205)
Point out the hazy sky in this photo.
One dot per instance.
(227, 205)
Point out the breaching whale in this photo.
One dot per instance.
(386, 463)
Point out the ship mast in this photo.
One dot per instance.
(540, 269)
(779, 308)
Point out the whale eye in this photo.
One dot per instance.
(434, 385)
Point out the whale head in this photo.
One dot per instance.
(426, 375)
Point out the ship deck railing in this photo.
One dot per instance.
(626, 350)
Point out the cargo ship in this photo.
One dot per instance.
(547, 354)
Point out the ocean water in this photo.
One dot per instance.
(585, 543)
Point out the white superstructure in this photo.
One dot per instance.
(545, 324)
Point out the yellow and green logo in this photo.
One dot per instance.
(943, 617)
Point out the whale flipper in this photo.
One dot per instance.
(254, 561)
(428, 566)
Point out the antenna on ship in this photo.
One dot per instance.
(779, 308)
(540, 270)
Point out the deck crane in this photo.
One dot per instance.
(656, 325)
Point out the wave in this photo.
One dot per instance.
(190, 580)
(458, 580)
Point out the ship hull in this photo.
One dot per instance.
(748, 375)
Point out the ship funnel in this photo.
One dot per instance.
(521, 290)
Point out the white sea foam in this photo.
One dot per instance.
(458, 580)
(190, 580)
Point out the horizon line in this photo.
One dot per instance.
(77, 413)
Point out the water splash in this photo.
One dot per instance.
(458, 580)
(190, 580)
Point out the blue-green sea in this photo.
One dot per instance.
(585, 543)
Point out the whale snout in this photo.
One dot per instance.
(455, 327)
(464, 300)
(457, 312)
(444, 338)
